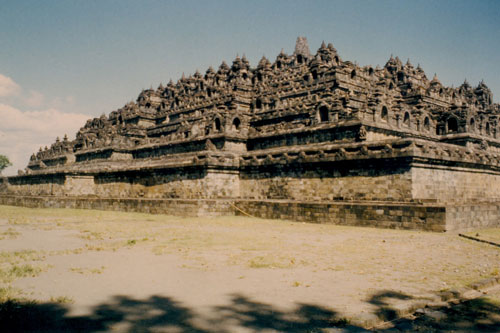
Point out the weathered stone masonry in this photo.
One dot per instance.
(307, 137)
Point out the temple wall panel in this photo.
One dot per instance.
(343, 183)
(445, 184)
(186, 185)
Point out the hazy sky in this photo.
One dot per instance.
(62, 62)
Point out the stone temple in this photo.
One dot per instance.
(307, 137)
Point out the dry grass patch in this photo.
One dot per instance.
(10, 294)
(62, 300)
(19, 264)
(15, 257)
(88, 270)
(271, 261)
(10, 233)
(13, 272)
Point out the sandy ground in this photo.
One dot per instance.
(102, 271)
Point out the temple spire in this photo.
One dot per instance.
(302, 47)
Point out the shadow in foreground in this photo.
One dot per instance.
(164, 314)
(477, 315)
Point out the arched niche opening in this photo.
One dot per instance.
(487, 129)
(258, 103)
(236, 124)
(406, 119)
(217, 125)
(384, 114)
(300, 59)
(323, 114)
(353, 74)
(452, 125)
(427, 124)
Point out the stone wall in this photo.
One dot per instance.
(79, 185)
(3, 184)
(177, 207)
(37, 185)
(427, 217)
(186, 183)
(453, 184)
(170, 183)
(342, 181)
(394, 216)
(473, 216)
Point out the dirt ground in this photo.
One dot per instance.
(83, 270)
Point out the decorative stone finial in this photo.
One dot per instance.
(302, 47)
(331, 48)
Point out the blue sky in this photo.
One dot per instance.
(64, 61)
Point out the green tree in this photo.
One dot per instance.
(4, 162)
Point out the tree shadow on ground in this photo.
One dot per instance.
(164, 314)
(157, 313)
(477, 315)
(382, 300)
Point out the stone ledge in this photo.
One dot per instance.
(379, 214)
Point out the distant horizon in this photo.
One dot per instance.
(62, 63)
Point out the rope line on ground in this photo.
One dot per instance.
(242, 211)
(479, 240)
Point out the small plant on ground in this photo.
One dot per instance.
(80, 270)
(10, 233)
(62, 300)
(18, 271)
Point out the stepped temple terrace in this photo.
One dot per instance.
(306, 137)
